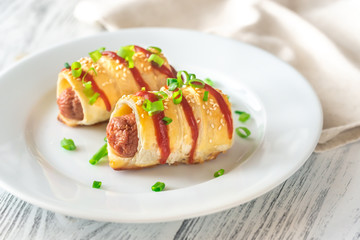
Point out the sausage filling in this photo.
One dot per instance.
(70, 105)
(121, 133)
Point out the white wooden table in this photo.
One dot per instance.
(320, 201)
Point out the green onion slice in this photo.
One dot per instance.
(93, 99)
(177, 97)
(206, 96)
(244, 117)
(219, 173)
(172, 83)
(101, 49)
(153, 107)
(161, 95)
(76, 69)
(157, 59)
(208, 81)
(96, 184)
(102, 152)
(67, 65)
(192, 76)
(167, 120)
(158, 50)
(180, 79)
(68, 144)
(95, 55)
(197, 83)
(158, 186)
(242, 132)
(127, 53)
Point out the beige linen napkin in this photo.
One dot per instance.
(320, 38)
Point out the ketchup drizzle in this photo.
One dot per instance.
(223, 107)
(190, 118)
(164, 70)
(161, 130)
(95, 87)
(134, 71)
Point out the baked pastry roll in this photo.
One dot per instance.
(110, 77)
(191, 131)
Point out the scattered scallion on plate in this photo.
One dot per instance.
(158, 50)
(242, 132)
(97, 184)
(102, 152)
(68, 144)
(219, 173)
(67, 65)
(127, 53)
(158, 186)
(243, 116)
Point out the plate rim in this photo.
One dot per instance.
(60, 209)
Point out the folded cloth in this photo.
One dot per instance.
(318, 37)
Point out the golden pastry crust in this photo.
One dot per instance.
(114, 78)
(213, 135)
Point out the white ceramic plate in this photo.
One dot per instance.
(286, 123)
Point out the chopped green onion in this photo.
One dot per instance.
(219, 173)
(127, 53)
(208, 81)
(161, 95)
(158, 50)
(158, 186)
(157, 59)
(197, 83)
(167, 120)
(143, 89)
(242, 132)
(180, 79)
(244, 117)
(83, 78)
(153, 107)
(93, 99)
(96, 184)
(95, 55)
(172, 83)
(67, 65)
(239, 112)
(101, 49)
(206, 96)
(102, 152)
(88, 91)
(68, 144)
(192, 76)
(76, 69)
(177, 97)
(105, 139)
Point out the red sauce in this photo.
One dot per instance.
(161, 130)
(95, 87)
(193, 126)
(223, 107)
(134, 71)
(163, 69)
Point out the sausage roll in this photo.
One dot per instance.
(180, 126)
(89, 96)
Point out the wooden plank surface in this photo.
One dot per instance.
(320, 201)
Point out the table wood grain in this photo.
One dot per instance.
(320, 201)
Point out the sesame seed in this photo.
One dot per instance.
(219, 128)
(210, 141)
(198, 121)
(203, 106)
(142, 115)
(117, 61)
(212, 125)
